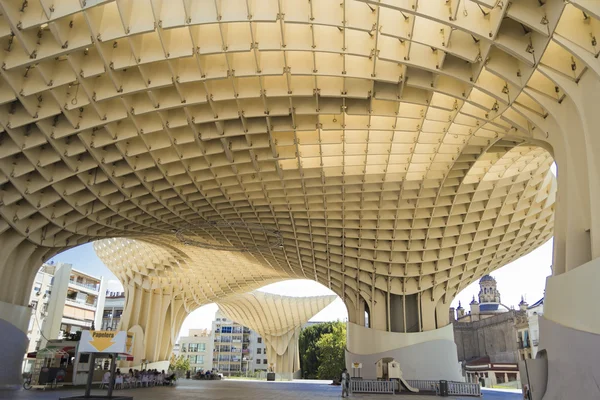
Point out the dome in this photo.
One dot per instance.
(487, 278)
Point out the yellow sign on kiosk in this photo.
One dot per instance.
(106, 342)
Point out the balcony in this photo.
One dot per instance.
(91, 286)
(79, 303)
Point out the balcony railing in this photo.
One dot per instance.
(81, 302)
(93, 286)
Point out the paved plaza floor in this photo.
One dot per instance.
(237, 389)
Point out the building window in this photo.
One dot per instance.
(265, 361)
(265, 350)
(201, 346)
(193, 347)
(34, 304)
(199, 359)
(259, 340)
(258, 351)
(183, 348)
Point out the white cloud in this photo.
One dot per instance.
(114, 285)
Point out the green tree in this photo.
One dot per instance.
(307, 343)
(331, 352)
(179, 364)
(310, 352)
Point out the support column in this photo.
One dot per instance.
(14, 320)
(155, 319)
(19, 262)
(419, 336)
(287, 363)
(570, 327)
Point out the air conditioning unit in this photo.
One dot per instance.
(38, 293)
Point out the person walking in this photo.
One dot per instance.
(345, 383)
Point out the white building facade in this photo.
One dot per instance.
(113, 310)
(64, 301)
(237, 350)
(198, 348)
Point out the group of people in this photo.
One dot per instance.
(206, 375)
(136, 378)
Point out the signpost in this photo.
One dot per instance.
(106, 342)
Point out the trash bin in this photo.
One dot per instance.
(270, 376)
(444, 388)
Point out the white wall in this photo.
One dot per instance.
(572, 298)
(424, 355)
(362, 340)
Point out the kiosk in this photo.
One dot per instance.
(104, 344)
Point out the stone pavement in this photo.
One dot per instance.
(232, 389)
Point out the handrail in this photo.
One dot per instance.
(454, 388)
(372, 386)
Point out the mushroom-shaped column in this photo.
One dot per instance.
(278, 320)
(165, 280)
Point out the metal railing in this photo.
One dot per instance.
(93, 286)
(454, 388)
(464, 389)
(371, 386)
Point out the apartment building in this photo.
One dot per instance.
(198, 348)
(83, 303)
(64, 301)
(237, 349)
(38, 301)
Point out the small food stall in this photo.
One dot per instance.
(99, 345)
(53, 365)
(67, 362)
